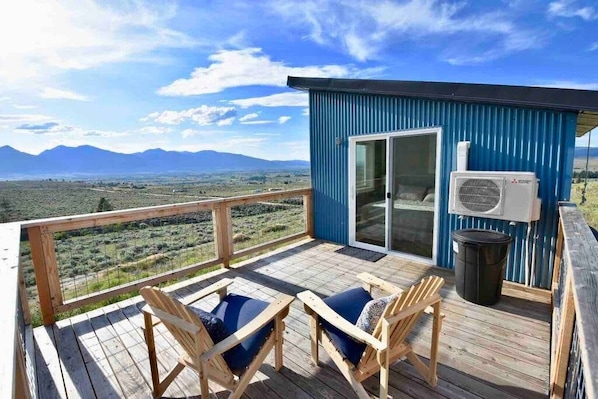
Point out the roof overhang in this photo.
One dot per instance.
(582, 102)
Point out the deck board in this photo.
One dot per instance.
(500, 351)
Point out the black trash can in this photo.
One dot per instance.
(480, 259)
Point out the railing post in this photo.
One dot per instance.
(556, 290)
(221, 217)
(308, 213)
(21, 383)
(558, 256)
(24, 299)
(558, 372)
(45, 266)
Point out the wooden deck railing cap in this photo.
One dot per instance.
(63, 223)
(10, 234)
(582, 260)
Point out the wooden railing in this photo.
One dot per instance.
(42, 232)
(574, 356)
(17, 371)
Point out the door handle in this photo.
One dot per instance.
(388, 195)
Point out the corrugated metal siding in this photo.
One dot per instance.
(502, 139)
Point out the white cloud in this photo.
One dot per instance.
(149, 117)
(83, 136)
(299, 149)
(192, 133)
(568, 84)
(239, 142)
(248, 117)
(44, 128)
(19, 106)
(66, 132)
(57, 35)
(189, 133)
(236, 145)
(267, 134)
(259, 122)
(4, 98)
(52, 93)
(593, 46)
(155, 130)
(283, 119)
(251, 119)
(23, 118)
(226, 122)
(568, 9)
(364, 29)
(290, 99)
(250, 67)
(203, 116)
(305, 112)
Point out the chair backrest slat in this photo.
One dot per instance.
(426, 288)
(156, 298)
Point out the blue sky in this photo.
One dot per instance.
(189, 76)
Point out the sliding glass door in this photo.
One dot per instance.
(370, 192)
(413, 190)
(392, 180)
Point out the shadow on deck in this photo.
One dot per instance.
(499, 352)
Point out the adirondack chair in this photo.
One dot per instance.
(359, 354)
(255, 327)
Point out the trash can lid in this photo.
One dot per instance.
(478, 236)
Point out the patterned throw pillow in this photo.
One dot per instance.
(371, 313)
(214, 326)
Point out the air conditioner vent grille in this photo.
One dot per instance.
(479, 195)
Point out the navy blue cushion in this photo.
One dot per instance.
(236, 311)
(214, 326)
(349, 305)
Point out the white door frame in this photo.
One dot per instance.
(352, 192)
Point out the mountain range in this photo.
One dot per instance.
(581, 152)
(92, 161)
(88, 160)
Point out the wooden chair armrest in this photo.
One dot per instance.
(209, 290)
(374, 281)
(387, 287)
(170, 319)
(317, 305)
(280, 307)
(219, 286)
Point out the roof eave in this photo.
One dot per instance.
(582, 102)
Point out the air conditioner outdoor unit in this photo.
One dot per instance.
(509, 196)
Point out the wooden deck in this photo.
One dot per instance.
(485, 352)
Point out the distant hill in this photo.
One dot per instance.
(88, 160)
(581, 152)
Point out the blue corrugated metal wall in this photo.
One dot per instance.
(502, 139)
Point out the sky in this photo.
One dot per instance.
(128, 76)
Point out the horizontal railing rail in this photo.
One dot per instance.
(226, 245)
(574, 357)
(17, 370)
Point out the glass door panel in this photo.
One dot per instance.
(413, 170)
(370, 192)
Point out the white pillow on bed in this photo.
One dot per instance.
(411, 193)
